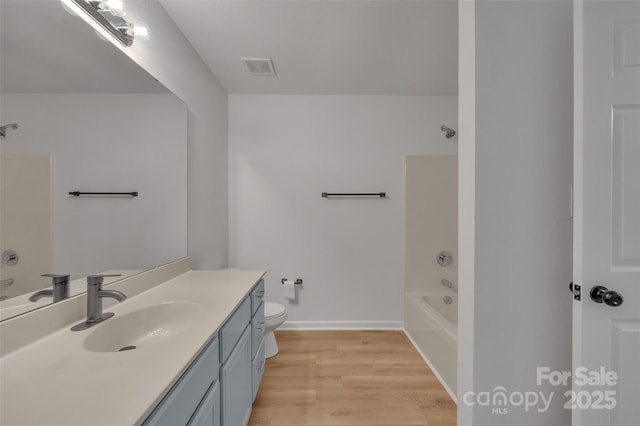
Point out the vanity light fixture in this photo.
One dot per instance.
(115, 7)
(109, 14)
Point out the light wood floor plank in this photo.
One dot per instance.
(349, 378)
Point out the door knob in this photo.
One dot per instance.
(601, 294)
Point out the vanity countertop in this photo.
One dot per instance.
(56, 381)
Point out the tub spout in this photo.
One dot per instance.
(445, 282)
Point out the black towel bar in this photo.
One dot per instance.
(78, 193)
(354, 194)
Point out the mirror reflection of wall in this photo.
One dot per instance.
(89, 119)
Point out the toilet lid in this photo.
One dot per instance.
(273, 309)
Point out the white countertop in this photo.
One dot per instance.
(56, 381)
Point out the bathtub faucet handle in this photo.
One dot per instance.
(444, 258)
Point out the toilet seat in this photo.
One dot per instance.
(273, 310)
(274, 315)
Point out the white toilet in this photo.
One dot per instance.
(274, 315)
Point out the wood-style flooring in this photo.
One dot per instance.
(354, 378)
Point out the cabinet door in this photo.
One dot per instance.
(235, 378)
(208, 413)
(258, 369)
(183, 399)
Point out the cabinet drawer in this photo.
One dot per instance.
(257, 330)
(257, 369)
(179, 404)
(257, 295)
(233, 328)
(208, 413)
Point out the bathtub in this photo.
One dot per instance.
(432, 325)
(448, 312)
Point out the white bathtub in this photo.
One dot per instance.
(432, 325)
(449, 311)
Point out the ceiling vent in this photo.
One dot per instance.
(260, 66)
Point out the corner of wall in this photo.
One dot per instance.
(466, 204)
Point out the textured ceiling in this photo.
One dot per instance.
(326, 47)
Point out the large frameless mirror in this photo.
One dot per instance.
(89, 120)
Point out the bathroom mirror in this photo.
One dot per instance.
(88, 119)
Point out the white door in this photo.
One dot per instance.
(607, 212)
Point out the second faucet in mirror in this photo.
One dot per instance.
(60, 289)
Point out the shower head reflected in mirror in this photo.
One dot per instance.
(449, 132)
(3, 129)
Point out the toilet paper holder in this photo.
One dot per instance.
(296, 282)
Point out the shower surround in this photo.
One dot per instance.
(431, 283)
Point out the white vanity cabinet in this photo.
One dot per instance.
(219, 388)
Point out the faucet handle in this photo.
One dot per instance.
(58, 278)
(97, 279)
(60, 287)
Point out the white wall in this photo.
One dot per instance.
(284, 151)
(168, 56)
(521, 149)
(109, 142)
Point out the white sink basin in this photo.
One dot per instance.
(144, 327)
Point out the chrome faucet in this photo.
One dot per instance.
(95, 293)
(60, 288)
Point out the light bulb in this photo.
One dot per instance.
(115, 4)
(129, 29)
(115, 7)
(139, 30)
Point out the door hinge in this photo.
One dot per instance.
(576, 289)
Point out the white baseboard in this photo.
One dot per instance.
(435, 372)
(342, 325)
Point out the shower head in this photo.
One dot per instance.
(3, 129)
(449, 133)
